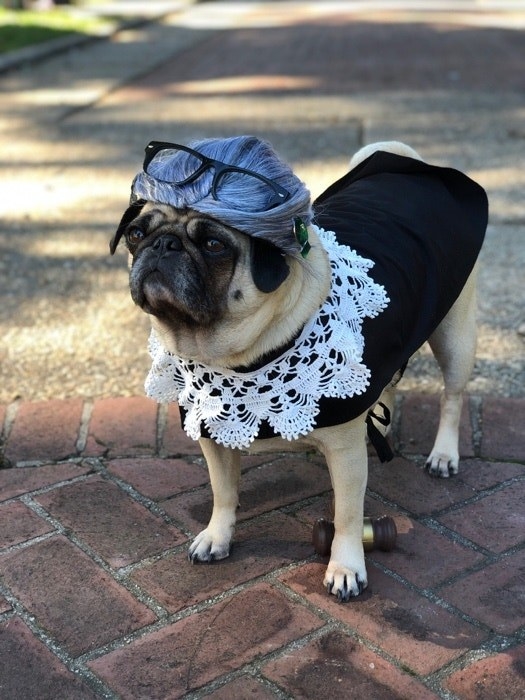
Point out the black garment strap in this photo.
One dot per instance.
(376, 437)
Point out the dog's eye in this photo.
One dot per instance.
(134, 236)
(213, 245)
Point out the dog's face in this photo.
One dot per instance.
(215, 294)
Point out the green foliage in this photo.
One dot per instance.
(20, 28)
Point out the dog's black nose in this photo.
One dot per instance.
(166, 244)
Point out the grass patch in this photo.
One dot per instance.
(21, 28)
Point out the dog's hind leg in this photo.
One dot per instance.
(224, 466)
(454, 346)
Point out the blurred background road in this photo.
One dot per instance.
(318, 79)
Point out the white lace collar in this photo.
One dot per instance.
(325, 360)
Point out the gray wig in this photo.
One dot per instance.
(275, 225)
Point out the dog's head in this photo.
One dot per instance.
(216, 293)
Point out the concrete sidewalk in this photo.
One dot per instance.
(318, 80)
(101, 490)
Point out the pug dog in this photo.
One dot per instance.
(278, 324)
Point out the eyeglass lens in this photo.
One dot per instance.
(170, 160)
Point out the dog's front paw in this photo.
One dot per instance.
(443, 463)
(208, 547)
(344, 582)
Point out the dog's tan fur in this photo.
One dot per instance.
(258, 322)
(344, 448)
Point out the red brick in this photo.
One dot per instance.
(118, 528)
(243, 687)
(335, 666)
(274, 541)
(20, 523)
(413, 60)
(74, 600)
(375, 509)
(17, 481)
(419, 424)
(189, 653)
(92, 448)
(175, 441)
(411, 559)
(420, 634)
(159, 478)
(495, 595)
(413, 488)
(320, 508)
(503, 421)
(482, 475)
(123, 426)
(44, 431)
(495, 522)
(273, 485)
(29, 670)
(493, 678)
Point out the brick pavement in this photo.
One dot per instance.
(97, 600)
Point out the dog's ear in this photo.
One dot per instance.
(131, 213)
(268, 265)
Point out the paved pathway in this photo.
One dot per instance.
(100, 496)
(99, 599)
(316, 79)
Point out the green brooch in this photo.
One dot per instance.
(301, 235)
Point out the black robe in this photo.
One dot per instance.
(423, 226)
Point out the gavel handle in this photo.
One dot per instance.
(378, 533)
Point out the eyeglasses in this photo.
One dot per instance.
(230, 184)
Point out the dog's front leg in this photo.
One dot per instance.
(348, 464)
(224, 466)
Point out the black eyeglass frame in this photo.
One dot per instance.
(155, 147)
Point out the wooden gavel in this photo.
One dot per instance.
(378, 533)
